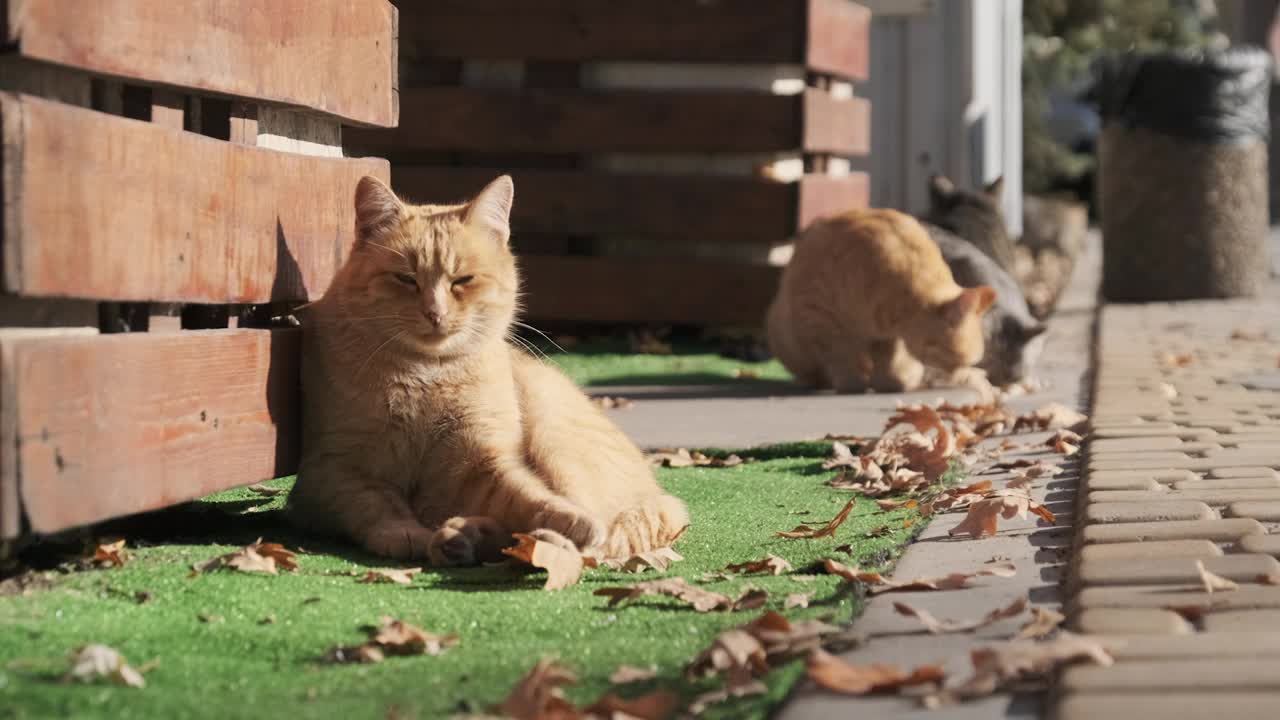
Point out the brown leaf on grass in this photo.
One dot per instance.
(539, 694)
(879, 532)
(682, 457)
(396, 637)
(769, 564)
(110, 554)
(797, 600)
(879, 583)
(265, 491)
(984, 515)
(751, 599)
(90, 662)
(1064, 442)
(1051, 417)
(607, 402)
(628, 674)
(563, 566)
(937, 627)
(402, 576)
(804, 531)
(254, 557)
(835, 674)
(656, 705)
(703, 702)
(658, 559)
(698, 598)
(1043, 621)
(1175, 360)
(897, 504)
(1213, 583)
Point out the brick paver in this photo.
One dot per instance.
(1181, 467)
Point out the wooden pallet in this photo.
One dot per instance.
(173, 168)
(559, 132)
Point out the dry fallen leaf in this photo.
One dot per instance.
(403, 576)
(700, 599)
(606, 402)
(769, 564)
(879, 583)
(657, 559)
(95, 661)
(1051, 417)
(797, 600)
(1171, 360)
(998, 665)
(1043, 621)
(392, 637)
(1064, 442)
(255, 557)
(266, 491)
(984, 515)
(833, 673)
(655, 705)
(563, 565)
(1013, 464)
(629, 674)
(804, 531)
(936, 626)
(538, 695)
(1213, 583)
(702, 702)
(897, 504)
(682, 457)
(841, 456)
(110, 554)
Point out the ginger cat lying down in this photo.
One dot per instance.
(425, 433)
(867, 301)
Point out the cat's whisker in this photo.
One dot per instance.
(386, 342)
(533, 350)
(527, 326)
(388, 249)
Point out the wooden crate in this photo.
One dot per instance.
(174, 168)
(619, 183)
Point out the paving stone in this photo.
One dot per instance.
(1174, 570)
(1153, 461)
(1188, 597)
(1137, 444)
(1235, 483)
(1240, 621)
(1151, 550)
(1182, 675)
(1163, 476)
(1144, 621)
(1212, 497)
(1135, 482)
(1243, 472)
(1215, 530)
(1263, 544)
(1100, 431)
(1140, 460)
(1260, 511)
(1263, 643)
(1256, 705)
(1106, 449)
(1113, 512)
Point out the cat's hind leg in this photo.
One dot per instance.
(464, 541)
(893, 368)
(847, 364)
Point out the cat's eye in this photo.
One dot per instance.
(407, 279)
(460, 281)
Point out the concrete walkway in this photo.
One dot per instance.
(694, 417)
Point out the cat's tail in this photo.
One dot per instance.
(653, 523)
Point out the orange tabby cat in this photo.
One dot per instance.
(425, 433)
(867, 293)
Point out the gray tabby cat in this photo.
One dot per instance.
(962, 227)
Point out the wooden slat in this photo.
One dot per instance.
(102, 426)
(726, 31)
(202, 220)
(551, 121)
(739, 210)
(621, 290)
(334, 56)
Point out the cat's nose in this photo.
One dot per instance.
(435, 317)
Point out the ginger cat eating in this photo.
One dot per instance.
(425, 433)
(867, 301)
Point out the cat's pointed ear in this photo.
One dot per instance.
(970, 301)
(941, 189)
(491, 209)
(377, 208)
(995, 188)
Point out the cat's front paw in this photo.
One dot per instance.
(572, 522)
(464, 541)
(401, 541)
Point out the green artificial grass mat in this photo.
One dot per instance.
(238, 645)
(597, 362)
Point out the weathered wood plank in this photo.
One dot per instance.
(98, 427)
(334, 56)
(609, 290)
(202, 220)
(566, 121)
(738, 210)
(816, 33)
